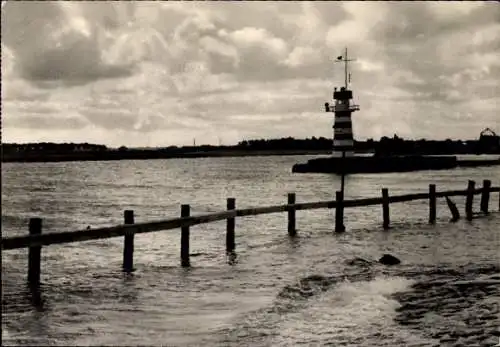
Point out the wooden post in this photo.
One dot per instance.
(454, 210)
(432, 203)
(291, 215)
(128, 247)
(34, 254)
(485, 196)
(230, 244)
(185, 210)
(339, 212)
(470, 199)
(385, 208)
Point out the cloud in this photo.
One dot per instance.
(36, 121)
(54, 42)
(161, 72)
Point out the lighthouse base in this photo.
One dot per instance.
(376, 164)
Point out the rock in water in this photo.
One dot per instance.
(388, 259)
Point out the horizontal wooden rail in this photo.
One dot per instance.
(16, 242)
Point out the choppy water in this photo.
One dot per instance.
(281, 292)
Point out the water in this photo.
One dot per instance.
(280, 292)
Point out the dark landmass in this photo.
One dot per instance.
(488, 143)
(387, 163)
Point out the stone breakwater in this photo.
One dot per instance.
(454, 308)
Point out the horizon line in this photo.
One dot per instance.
(235, 144)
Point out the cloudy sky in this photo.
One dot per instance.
(158, 73)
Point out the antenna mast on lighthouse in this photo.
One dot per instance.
(347, 74)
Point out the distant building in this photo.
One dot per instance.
(489, 141)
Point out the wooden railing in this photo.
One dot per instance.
(35, 240)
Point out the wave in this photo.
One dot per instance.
(362, 282)
(369, 302)
(454, 305)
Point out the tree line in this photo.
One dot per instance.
(487, 144)
(385, 146)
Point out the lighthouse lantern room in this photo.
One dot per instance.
(343, 140)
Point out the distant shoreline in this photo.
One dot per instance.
(148, 155)
(57, 152)
(152, 155)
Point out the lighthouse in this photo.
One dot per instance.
(343, 140)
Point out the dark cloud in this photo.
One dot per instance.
(414, 37)
(71, 42)
(67, 65)
(50, 46)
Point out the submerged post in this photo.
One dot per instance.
(485, 196)
(432, 203)
(385, 208)
(453, 209)
(339, 212)
(128, 247)
(34, 254)
(230, 222)
(470, 199)
(185, 211)
(291, 215)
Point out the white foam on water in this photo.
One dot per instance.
(10, 338)
(5, 333)
(352, 313)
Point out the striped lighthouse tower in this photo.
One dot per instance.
(343, 140)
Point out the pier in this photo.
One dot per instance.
(388, 164)
(36, 239)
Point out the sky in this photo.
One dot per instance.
(164, 73)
